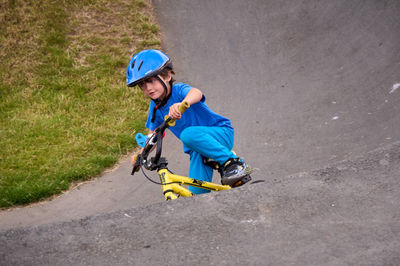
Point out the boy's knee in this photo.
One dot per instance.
(187, 135)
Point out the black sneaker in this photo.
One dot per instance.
(233, 171)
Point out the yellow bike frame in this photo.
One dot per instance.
(172, 185)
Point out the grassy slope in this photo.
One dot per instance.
(65, 112)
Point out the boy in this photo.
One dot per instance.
(204, 133)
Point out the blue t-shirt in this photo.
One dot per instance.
(199, 114)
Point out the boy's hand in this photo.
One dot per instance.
(135, 164)
(174, 111)
(134, 159)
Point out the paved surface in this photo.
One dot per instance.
(307, 85)
(346, 214)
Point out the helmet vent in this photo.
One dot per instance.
(140, 65)
(133, 63)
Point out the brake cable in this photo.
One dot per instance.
(155, 182)
(151, 180)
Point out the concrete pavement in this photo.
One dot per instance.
(346, 214)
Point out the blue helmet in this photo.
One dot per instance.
(146, 64)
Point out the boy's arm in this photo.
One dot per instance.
(194, 96)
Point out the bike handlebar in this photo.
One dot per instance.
(182, 108)
(156, 139)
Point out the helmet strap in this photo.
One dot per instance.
(160, 103)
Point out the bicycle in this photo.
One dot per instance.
(172, 184)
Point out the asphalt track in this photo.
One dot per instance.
(313, 91)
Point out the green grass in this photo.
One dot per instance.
(65, 112)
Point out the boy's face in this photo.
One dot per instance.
(153, 88)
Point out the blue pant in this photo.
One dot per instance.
(211, 142)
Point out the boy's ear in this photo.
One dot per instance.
(169, 77)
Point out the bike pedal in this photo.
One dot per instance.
(242, 181)
(258, 181)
